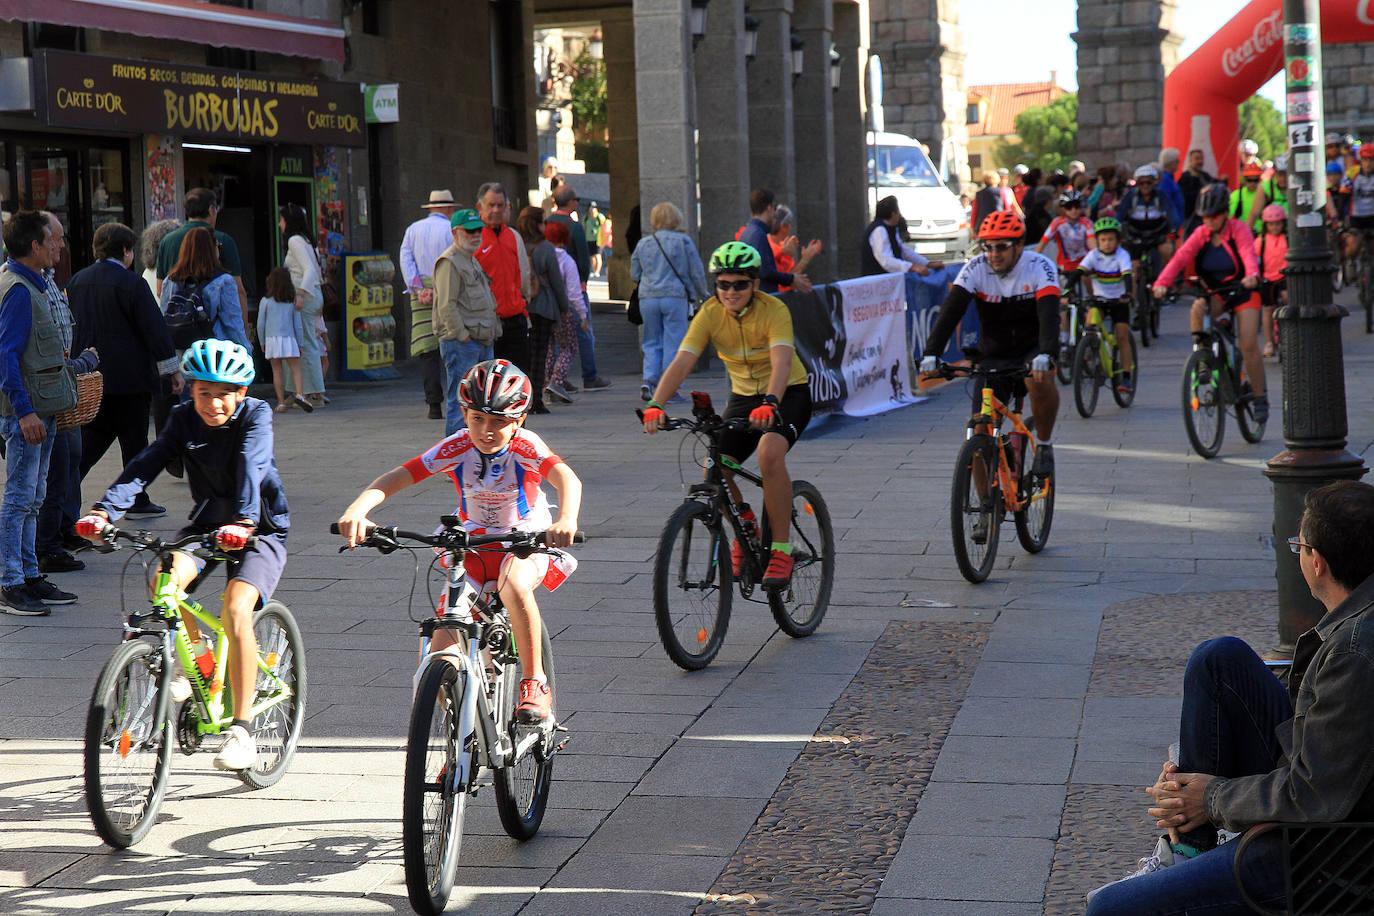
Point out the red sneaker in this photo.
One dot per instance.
(536, 702)
(737, 558)
(779, 572)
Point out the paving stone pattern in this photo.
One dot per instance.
(828, 835)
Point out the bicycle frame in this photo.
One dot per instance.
(989, 421)
(1106, 338)
(168, 604)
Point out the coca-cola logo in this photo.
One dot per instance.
(1362, 13)
(1268, 32)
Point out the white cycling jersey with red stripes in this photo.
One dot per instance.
(1030, 278)
(499, 492)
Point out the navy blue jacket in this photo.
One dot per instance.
(756, 234)
(116, 313)
(231, 469)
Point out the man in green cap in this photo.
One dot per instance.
(464, 310)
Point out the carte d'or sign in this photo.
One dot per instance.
(102, 93)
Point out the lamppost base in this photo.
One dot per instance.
(1293, 473)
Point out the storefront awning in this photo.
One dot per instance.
(189, 20)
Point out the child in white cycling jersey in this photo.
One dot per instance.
(498, 467)
(1108, 266)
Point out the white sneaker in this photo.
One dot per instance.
(238, 752)
(1162, 857)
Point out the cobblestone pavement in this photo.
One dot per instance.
(678, 785)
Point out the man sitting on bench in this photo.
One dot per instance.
(1251, 751)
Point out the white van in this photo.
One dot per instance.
(935, 220)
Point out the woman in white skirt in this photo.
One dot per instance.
(280, 332)
(304, 265)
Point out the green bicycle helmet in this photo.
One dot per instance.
(736, 258)
(1107, 224)
(220, 361)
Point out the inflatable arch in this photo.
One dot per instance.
(1202, 93)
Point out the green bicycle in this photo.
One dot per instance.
(1097, 360)
(131, 724)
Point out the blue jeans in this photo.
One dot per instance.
(62, 504)
(459, 356)
(586, 344)
(26, 485)
(665, 324)
(1231, 706)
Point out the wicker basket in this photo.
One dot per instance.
(90, 387)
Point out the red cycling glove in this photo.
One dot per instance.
(233, 537)
(654, 415)
(91, 526)
(766, 415)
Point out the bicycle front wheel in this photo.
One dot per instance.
(1251, 430)
(692, 586)
(975, 520)
(128, 752)
(1204, 415)
(799, 608)
(1086, 375)
(522, 789)
(433, 796)
(1144, 303)
(281, 676)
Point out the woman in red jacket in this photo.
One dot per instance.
(1221, 251)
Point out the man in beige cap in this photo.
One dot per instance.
(424, 242)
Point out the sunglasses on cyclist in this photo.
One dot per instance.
(1252, 181)
(735, 286)
(1296, 544)
(998, 246)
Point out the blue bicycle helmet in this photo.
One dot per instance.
(218, 361)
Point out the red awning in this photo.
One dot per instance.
(190, 20)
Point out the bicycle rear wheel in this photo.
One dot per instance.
(128, 748)
(1204, 415)
(1127, 398)
(277, 730)
(1251, 429)
(1034, 519)
(522, 789)
(1087, 373)
(1144, 302)
(692, 586)
(1063, 368)
(433, 798)
(799, 608)
(975, 551)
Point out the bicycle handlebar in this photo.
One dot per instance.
(1011, 372)
(387, 539)
(143, 540)
(698, 424)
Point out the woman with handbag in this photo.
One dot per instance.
(304, 265)
(548, 303)
(670, 275)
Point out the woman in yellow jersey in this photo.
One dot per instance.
(752, 333)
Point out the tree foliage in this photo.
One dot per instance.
(1261, 121)
(1048, 136)
(589, 99)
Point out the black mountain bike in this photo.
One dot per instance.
(692, 572)
(462, 720)
(1144, 308)
(1072, 311)
(1214, 382)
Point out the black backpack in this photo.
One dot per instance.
(187, 317)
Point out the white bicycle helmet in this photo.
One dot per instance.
(1147, 170)
(1249, 147)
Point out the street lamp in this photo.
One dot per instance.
(836, 62)
(751, 37)
(798, 56)
(698, 21)
(1315, 430)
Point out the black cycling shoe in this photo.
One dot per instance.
(1044, 461)
(1259, 409)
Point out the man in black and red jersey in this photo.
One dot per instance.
(1017, 292)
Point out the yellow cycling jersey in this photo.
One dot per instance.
(744, 342)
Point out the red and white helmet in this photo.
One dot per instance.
(497, 387)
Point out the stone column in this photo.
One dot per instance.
(1124, 51)
(851, 156)
(770, 103)
(1347, 95)
(722, 86)
(622, 115)
(925, 95)
(665, 94)
(813, 123)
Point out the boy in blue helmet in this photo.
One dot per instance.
(224, 439)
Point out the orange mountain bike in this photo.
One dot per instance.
(993, 476)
